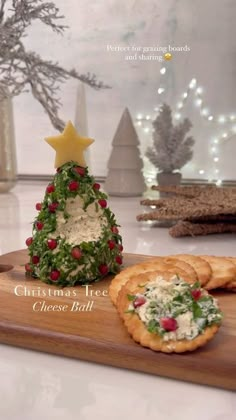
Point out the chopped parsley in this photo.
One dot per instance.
(175, 310)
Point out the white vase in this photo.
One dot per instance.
(8, 168)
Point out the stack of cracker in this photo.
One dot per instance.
(210, 272)
(195, 210)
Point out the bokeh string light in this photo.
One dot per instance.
(226, 123)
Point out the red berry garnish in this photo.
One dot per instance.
(103, 203)
(196, 294)
(103, 268)
(139, 301)
(114, 229)
(29, 241)
(52, 207)
(73, 186)
(169, 324)
(39, 225)
(35, 259)
(28, 268)
(120, 247)
(96, 186)
(50, 188)
(80, 171)
(38, 206)
(58, 169)
(51, 243)
(76, 253)
(111, 244)
(54, 275)
(119, 259)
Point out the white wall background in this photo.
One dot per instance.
(207, 27)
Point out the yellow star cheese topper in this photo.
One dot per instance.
(69, 146)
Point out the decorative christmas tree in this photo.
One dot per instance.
(81, 120)
(170, 150)
(75, 235)
(125, 176)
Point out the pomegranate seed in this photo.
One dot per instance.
(80, 171)
(111, 244)
(52, 243)
(139, 301)
(169, 324)
(38, 206)
(29, 241)
(50, 188)
(103, 203)
(96, 186)
(35, 259)
(114, 229)
(120, 247)
(54, 275)
(103, 269)
(39, 225)
(76, 253)
(73, 185)
(196, 294)
(119, 259)
(28, 268)
(52, 207)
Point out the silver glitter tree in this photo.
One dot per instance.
(171, 149)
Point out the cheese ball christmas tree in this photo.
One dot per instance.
(75, 236)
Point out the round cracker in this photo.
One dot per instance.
(184, 265)
(231, 286)
(201, 267)
(137, 328)
(151, 265)
(180, 267)
(223, 271)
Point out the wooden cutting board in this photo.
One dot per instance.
(90, 329)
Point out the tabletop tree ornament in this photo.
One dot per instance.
(22, 70)
(125, 176)
(171, 150)
(80, 119)
(75, 236)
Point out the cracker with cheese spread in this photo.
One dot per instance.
(153, 264)
(167, 314)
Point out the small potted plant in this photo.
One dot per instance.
(171, 149)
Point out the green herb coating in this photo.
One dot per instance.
(95, 259)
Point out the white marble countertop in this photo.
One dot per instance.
(35, 385)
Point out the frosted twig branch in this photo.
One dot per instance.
(22, 70)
